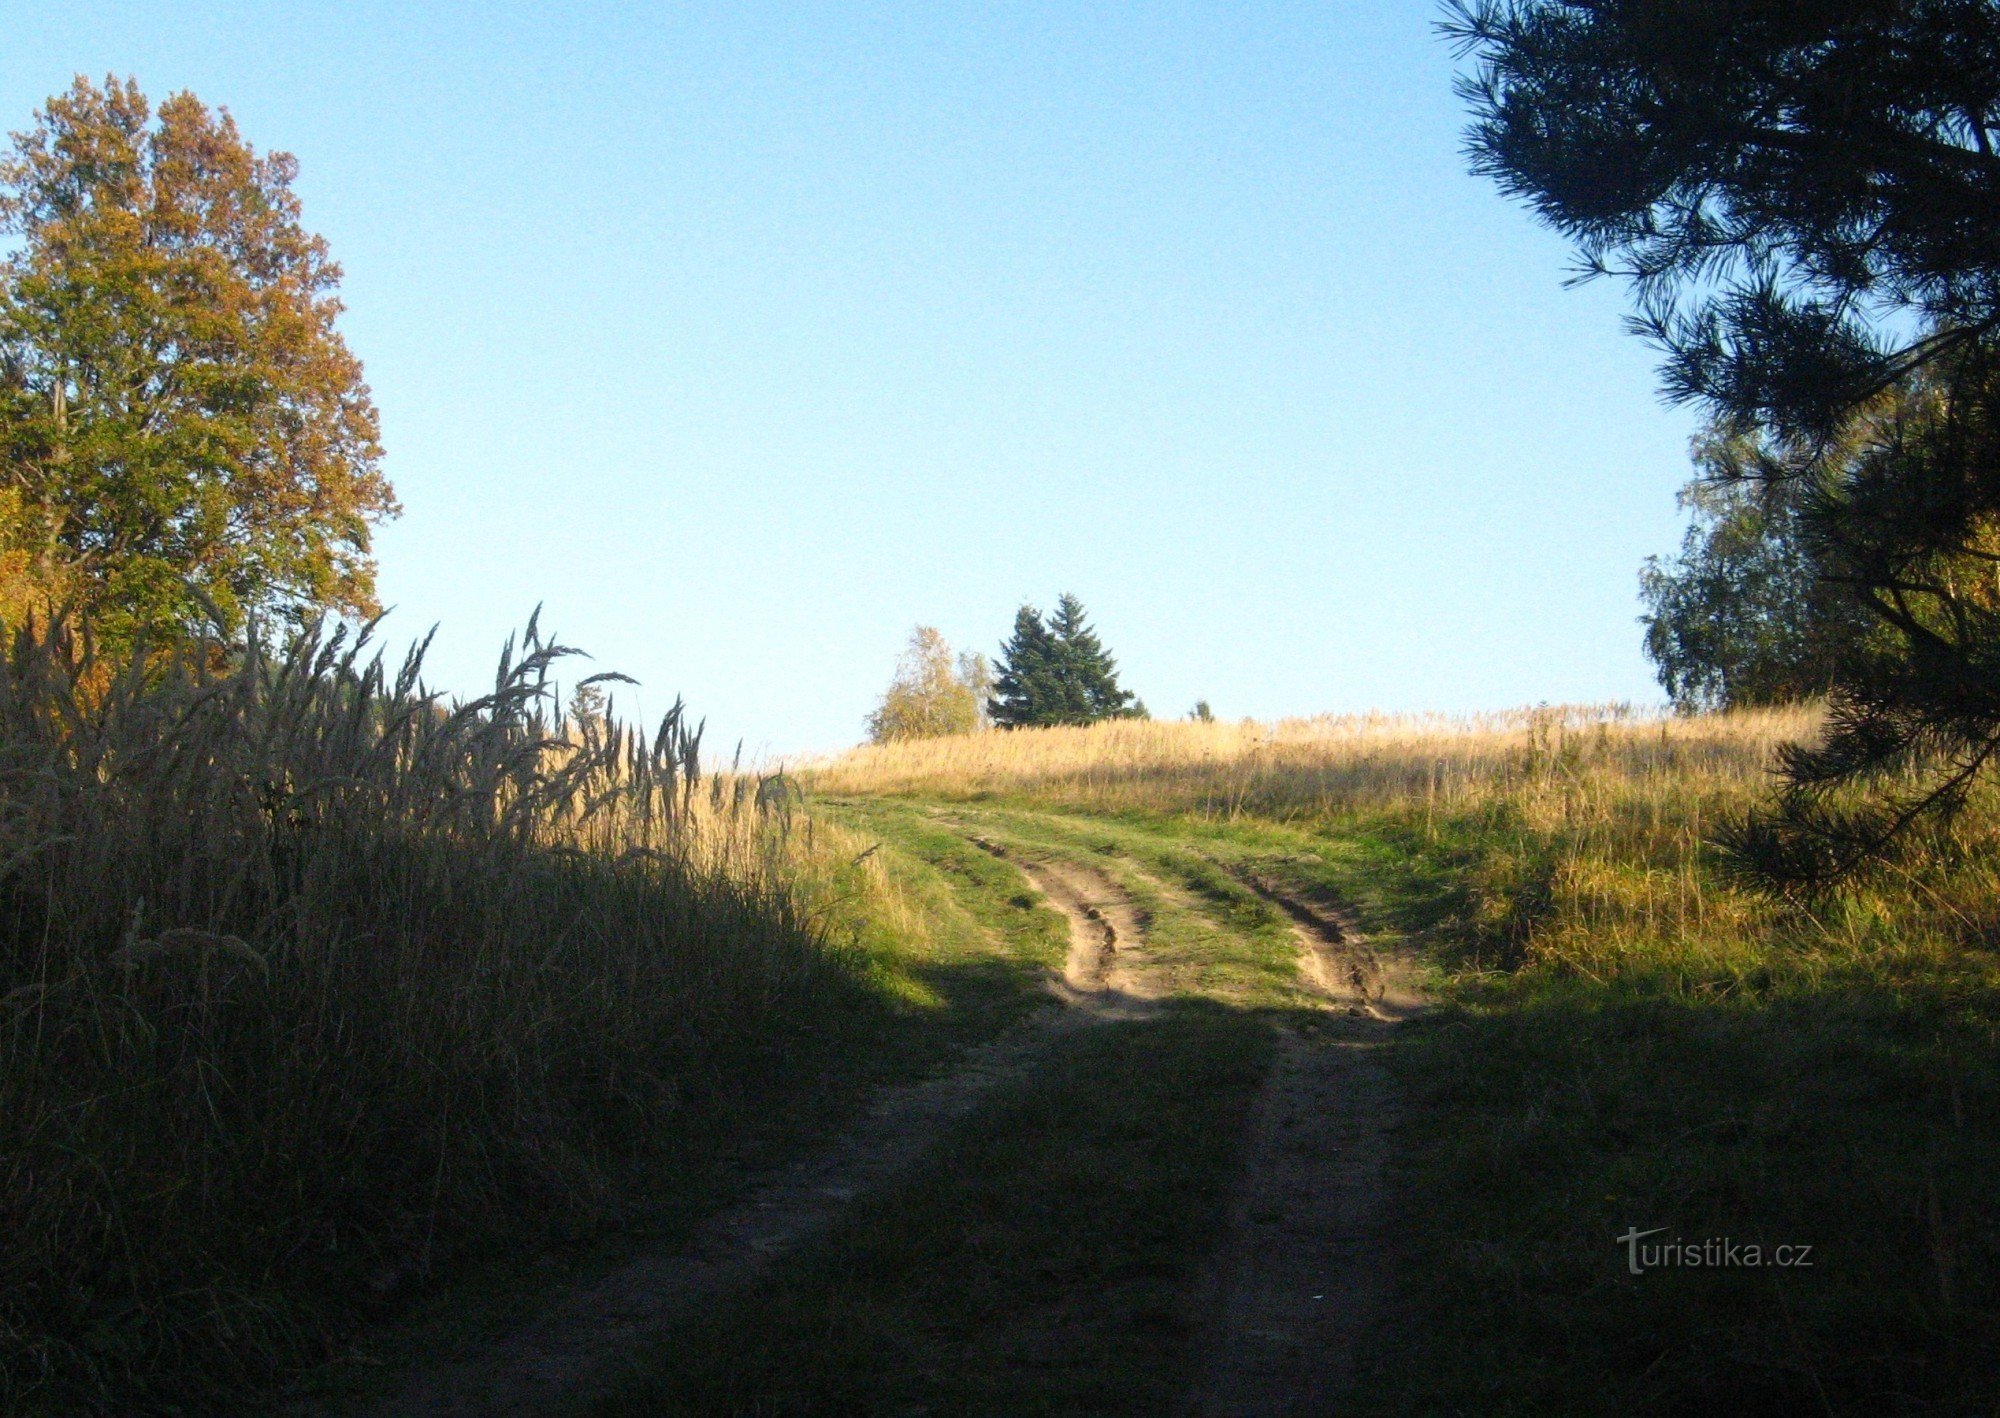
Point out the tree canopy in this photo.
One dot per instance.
(1804, 200)
(185, 433)
(1058, 672)
(1748, 612)
(931, 694)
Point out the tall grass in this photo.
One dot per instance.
(1592, 826)
(1305, 767)
(312, 982)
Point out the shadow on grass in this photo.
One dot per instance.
(1038, 1263)
(744, 1108)
(1861, 1123)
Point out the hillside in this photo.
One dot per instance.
(1411, 1065)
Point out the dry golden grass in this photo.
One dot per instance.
(1591, 825)
(312, 983)
(1329, 764)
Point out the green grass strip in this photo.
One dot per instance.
(1040, 1264)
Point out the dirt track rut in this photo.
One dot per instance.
(1109, 971)
(1290, 1286)
(582, 1343)
(1302, 1263)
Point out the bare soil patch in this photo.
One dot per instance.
(1303, 1262)
(1108, 971)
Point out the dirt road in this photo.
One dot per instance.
(1280, 1296)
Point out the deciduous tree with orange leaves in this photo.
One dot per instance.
(184, 434)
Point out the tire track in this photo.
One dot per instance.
(579, 1346)
(1292, 1282)
(1336, 958)
(1108, 971)
(1304, 1262)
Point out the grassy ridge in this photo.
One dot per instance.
(1626, 1039)
(314, 989)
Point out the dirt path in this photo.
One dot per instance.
(1301, 1266)
(1337, 959)
(1109, 971)
(580, 1345)
(1290, 1286)
(1295, 1279)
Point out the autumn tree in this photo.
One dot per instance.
(184, 433)
(1803, 200)
(976, 673)
(932, 694)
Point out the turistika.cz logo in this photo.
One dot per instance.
(1714, 1253)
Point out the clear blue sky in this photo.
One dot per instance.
(746, 336)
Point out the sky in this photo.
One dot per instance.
(744, 337)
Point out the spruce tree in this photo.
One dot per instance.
(1025, 688)
(1087, 674)
(1057, 672)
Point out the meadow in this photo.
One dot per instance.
(318, 993)
(341, 1021)
(1627, 1036)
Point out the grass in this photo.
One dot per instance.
(1041, 1264)
(317, 992)
(1626, 1037)
(951, 889)
(1208, 936)
(1329, 767)
(319, 996)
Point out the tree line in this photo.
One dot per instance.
(1053, 670)
(1803, 200)
(1805, 203)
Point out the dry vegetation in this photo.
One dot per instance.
(1591, 825)
(1304, 767)
(1629, 1034)
(1594, 820)
(312, 984)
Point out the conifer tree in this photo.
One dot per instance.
(1087, 673)
(1057, 672)
(1803, 198)
(1025, 687)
